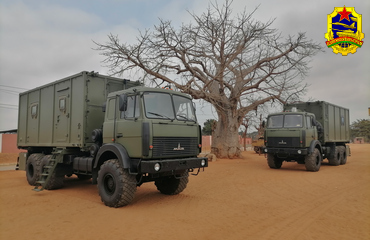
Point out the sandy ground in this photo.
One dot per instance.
(232, 199)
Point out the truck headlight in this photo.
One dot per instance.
(203, 163)
(299, 151)
(157, 167)
(265, 150)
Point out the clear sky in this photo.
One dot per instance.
(42, 41)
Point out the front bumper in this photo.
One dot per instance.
(286, 151)
(171, 165)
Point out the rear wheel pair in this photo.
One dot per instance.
(339, 157)
(35, 167)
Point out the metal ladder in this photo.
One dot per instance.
(47, 172)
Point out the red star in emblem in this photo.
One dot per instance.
(344, 14)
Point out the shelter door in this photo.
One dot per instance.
(62, 115)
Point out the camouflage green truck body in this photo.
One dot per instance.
(112, 130)
(308, 133)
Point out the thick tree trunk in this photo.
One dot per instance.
(225, 140)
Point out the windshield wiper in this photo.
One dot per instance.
(159, 115)
(186, 119)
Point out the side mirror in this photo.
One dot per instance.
(263, 123)
(123, 102)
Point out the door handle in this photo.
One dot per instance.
(119, 135)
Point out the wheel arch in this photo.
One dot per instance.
(112, 151)
(315, 144)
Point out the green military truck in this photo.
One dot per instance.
(112, 130)
(308, 133)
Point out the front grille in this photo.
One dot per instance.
(283, 142)
(174, 146)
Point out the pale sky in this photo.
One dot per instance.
(42, 41)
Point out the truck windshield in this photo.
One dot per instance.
(158, 105)
(286, 121)
(183, 108)
(165, 106)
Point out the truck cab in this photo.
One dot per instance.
(289, 135)
(156, 127)
(291, 131)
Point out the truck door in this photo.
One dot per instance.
(123, 127)
(128, 128)
(311, 133)
(62, 115)
(33, 117)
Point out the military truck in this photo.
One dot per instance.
(258, 145)
(114, 131)
(308, 133)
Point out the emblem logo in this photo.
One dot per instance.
(344, 30)
(282, 142)
(179, 148)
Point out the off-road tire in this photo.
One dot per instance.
(55, 181)
(343, 155)
(273, 161)
(170, 185)
(33, 168)
(313, 161)
(335, 158)
(115, 185)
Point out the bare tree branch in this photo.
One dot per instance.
(236, 64)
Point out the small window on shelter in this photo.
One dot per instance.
(62, 104)
(34, 110)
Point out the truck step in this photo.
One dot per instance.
(36, 189)
(47, 172)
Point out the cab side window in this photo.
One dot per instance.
(111, 108)
(133, 107)
(309, 122)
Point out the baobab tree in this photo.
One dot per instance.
(234, 62)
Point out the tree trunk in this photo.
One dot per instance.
(225, 141)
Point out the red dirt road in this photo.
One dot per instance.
(232, 199)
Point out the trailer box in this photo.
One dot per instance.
(65, 112)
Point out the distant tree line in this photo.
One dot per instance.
(361, 128)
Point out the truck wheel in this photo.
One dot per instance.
(313, 161)
(273, 161)
(116, 186)
(335, 158)
(343, 153)
(171, 185)
(33, 168)
(55, 181)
